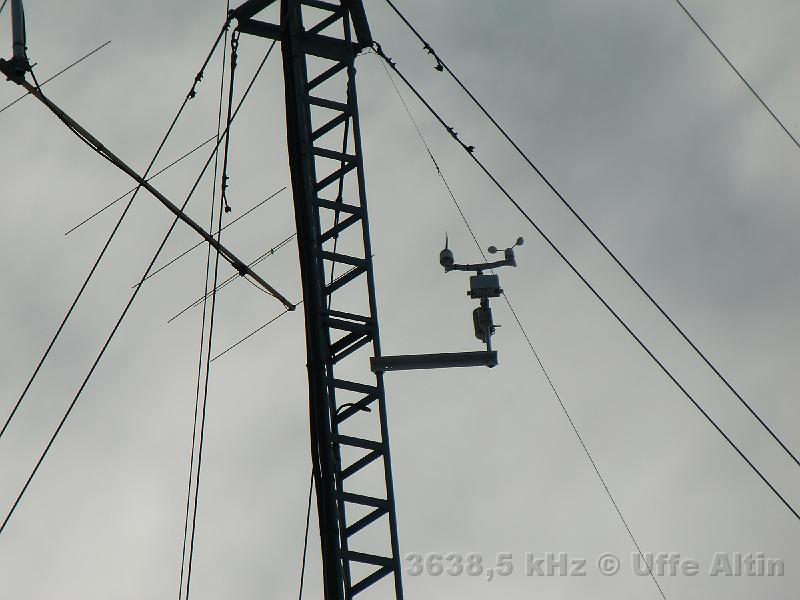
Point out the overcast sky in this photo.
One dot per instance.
(634, 118)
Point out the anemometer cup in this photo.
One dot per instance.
(446, 258)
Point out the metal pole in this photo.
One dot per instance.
(18, 29)
(20, 59)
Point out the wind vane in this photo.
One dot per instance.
(481, 287)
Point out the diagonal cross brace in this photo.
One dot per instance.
(229, 256)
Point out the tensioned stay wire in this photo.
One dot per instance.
(191, 483)
(470, 150)
(130, 301)
(442, 66)
(526, 336)
(192, 93)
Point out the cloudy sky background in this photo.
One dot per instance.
(630, 113)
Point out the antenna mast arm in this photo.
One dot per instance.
(7, 68)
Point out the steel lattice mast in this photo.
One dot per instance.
(349, 437)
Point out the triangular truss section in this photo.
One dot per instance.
(349, 438)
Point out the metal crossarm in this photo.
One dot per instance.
(349, 440)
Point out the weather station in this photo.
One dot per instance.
(482, 287)
(348, 426)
